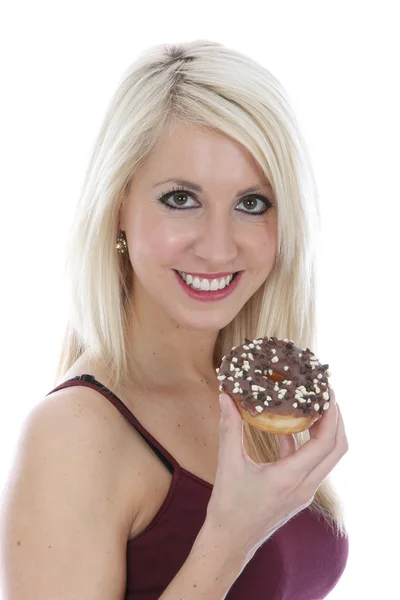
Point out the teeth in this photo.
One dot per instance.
(206, 285)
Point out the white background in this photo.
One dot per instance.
(339, 61)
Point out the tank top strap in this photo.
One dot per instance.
(90, 381)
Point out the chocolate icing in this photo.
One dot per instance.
(294, 368)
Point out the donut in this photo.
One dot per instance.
(276, 386)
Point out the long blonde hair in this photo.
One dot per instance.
(206, 84)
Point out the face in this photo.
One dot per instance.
(206, 229)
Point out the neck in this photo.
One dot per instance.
(168, 355)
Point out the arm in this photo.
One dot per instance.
(209, 571)
(63, 520)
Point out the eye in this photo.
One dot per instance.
(250, 203)
(255, 205)
(178, 196)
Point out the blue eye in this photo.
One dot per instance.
(179, 196)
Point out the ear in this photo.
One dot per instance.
(121, 218)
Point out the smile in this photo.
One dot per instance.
(206, 285)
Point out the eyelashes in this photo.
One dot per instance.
(164, 198)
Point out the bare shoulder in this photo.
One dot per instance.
(67, 491)
(79, 422)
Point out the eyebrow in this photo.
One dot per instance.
(198, 188)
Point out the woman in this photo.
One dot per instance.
(199, 173)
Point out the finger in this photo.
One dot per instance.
(317, 476)
(314, 430)
(317, 448)
(287, 445)
(231, 445)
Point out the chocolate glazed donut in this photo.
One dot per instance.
(276, 386)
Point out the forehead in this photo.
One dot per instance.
(203, 155)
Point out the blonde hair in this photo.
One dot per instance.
(206, 84)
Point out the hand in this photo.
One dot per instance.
(250, 501)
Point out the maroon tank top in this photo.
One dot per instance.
(303, 560)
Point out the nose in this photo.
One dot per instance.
(216, 244)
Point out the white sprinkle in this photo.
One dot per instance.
(234, 359)
(231, 379)
(235, 391)
(251, 357)
(270, 371)
(231, 367)
(261, 389)
(275, 359)
(266, 402)
(300, 355)
(217, 370)
(258, 347)
(319, 376)
(257, 371)
(325, 396)
(295, 404)
(326, 406)
(251, 345)
(329, 374)
(249, 378)
(221, 377)
(246, 347)
(273, 351)
(244, 355)
(316, 388)
(259, 408)
(316, 406)
(221, 388)
(237, 384)
(286, 368)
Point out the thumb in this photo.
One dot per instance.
(231, 428)
(287, 445)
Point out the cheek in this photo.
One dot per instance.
(263, 250)
(158, 240)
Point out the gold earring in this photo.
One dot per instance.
(121, 244)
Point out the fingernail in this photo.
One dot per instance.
(223, 404)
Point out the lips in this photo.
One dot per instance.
(210, 294)
(206, 283)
